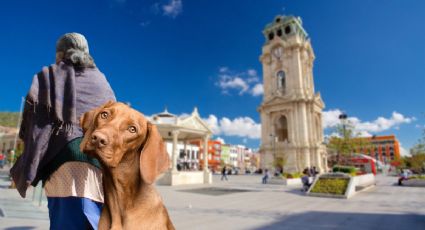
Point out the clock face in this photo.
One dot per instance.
(277, 52)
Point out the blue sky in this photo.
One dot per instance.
(370, 57)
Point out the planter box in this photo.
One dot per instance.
(285, 181)
(359, 183)
(355, 184)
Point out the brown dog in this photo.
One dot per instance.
(132, 154)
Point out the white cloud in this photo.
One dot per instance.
(212, 122)
(221, 140)
(420, 126)
(243, 82)
(382, 123)
(240, 126)
(223, 69)
(252, 76)
(257, 90)
(331, 120)
(229, 82)
(364, 133)
(183, 115)
(252, 72)
(173, 8)
(403, 152)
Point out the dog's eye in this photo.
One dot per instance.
(132, 129)
(103, 115)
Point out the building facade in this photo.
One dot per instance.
(382, 148)
(234, 155)
(225, 154)
(214, 154)
(291, 111)
(188, 158)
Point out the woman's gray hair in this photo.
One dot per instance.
(75, 49)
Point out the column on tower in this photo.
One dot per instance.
(304, 130)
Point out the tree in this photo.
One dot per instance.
(419, 148)
(346, 141)
(416, 161)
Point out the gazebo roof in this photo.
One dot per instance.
(190, 126)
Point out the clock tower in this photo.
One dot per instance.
(291, 111)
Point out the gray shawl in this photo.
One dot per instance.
(58, 96)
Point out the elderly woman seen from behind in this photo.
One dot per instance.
(58, 96)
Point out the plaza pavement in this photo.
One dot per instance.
(244, 203)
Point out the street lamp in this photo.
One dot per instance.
(343, 118)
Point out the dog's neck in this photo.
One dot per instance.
(126, 186)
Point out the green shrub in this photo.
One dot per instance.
(9, 119)
(345, 169)
(419, 177)
(336, 186)
(292, 175)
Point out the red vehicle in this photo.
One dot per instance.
(364, 163)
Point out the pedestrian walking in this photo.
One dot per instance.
(224, 173)
(50, 129)
(2, 161)
(266, 176)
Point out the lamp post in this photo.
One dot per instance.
(343, 118)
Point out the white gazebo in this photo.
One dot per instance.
(183, 129)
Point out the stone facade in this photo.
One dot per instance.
(291, 111)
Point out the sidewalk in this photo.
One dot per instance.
(243, 203)
(17, 213)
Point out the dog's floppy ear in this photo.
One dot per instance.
(154, 158)
(86, 120)
(86, 123)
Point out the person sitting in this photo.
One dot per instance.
(404, 176)
(305, 179)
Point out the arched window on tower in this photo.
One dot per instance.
(281, 128)
(281, 80)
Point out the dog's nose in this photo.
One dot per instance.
(99, 139)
